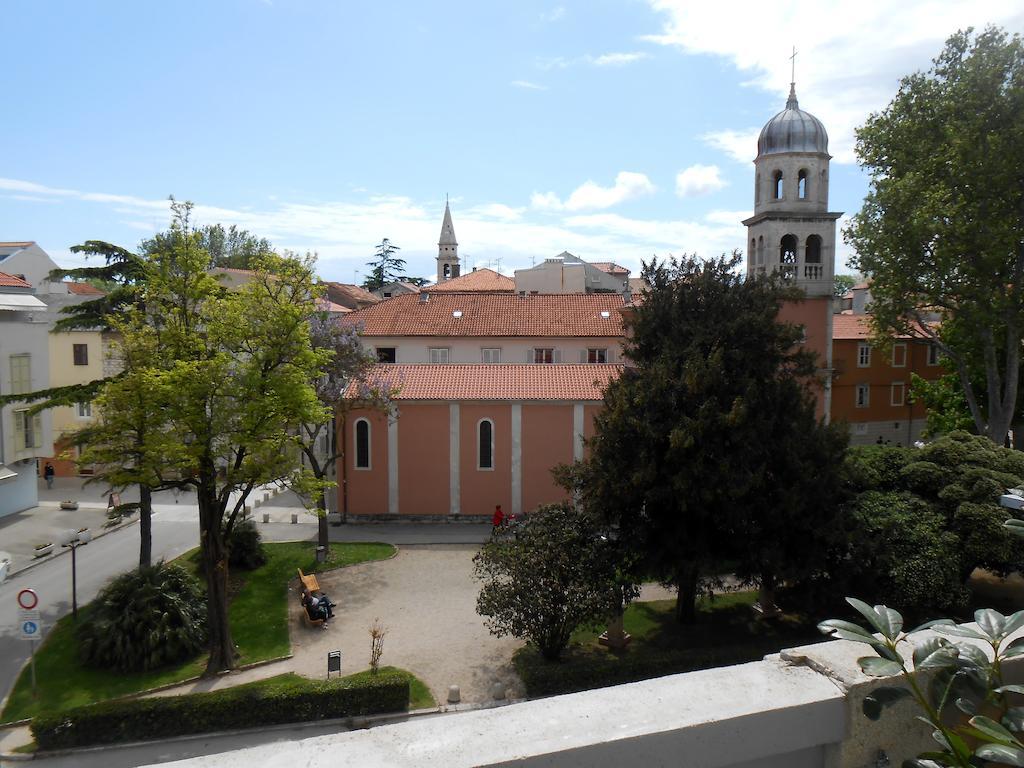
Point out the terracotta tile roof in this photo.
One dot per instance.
(610, 267)
(481, 381)
(83, 289)
(478, 314)
(10, 281)
(354, 292)
(477, 280)
(850, 326)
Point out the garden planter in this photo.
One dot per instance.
(69, 505)
(42, 550)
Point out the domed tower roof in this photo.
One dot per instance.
(792, 130)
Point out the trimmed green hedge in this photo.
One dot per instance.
(545, 678)
(243, 707)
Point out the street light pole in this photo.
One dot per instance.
(74, 540)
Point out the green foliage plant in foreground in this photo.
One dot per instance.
(962, 696)
(289, 700)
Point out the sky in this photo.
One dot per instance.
(614, 129)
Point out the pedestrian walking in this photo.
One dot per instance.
(48, 473)
(499, 516)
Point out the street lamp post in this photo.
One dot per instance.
(73, 540)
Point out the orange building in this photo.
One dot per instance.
(468, 437)
(871, 387)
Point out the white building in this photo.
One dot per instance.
(24, 367)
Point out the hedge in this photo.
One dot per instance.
(233, 708)
(544, 678)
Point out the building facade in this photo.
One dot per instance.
(24, 367)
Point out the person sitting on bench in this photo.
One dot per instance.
(314, 607)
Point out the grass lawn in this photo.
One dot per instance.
(259, 624)
(727, 631)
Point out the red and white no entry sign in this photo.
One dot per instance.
(28, 599)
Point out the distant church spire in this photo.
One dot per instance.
(792, 103)
(447, 248)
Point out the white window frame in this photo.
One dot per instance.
(861, 428)
(897, 386)
(440, 355)
(490, 352)
(539, 352)
(897, 346)
(863, 355)
(83, 410)
(866, 389)
(599, 352)
(933, 355)
(369, 445)
(25, 427)
(479, 466)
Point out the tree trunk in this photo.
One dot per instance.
(322, 539)
(214, 554)
(686, 598)
(145, 526)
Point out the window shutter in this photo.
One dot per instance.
(531, 356)
(556, 356)
(37, 431)
(583, 355)
(19, 430)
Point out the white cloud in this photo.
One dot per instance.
(739, 145)
(526, 84)
(343, 233)
(555, 14)
(591, 195)
(617, 59)
(850, 57)
(699, 180)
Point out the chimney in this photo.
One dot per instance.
(424, 297)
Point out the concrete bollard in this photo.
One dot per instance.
(266, 517)
(257, 502)
(454, 697)
(295, 518)
(498, 691)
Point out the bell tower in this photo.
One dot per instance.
(447, 249)
(792, 233)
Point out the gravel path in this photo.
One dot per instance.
(426, 598)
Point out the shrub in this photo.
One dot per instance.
(144, 619)
(245, 547)
(876, 467)
(903, 552)
(243, 707)
(546, 575)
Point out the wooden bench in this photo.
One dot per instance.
(309, 582)
(309, 621)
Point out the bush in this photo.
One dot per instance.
(903, 552)
(876, 467)
(249, 706)
(245, 547)
(144, 619)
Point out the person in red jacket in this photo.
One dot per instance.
(499, 516)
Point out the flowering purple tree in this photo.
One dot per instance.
(350, 369)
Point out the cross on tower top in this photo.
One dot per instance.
(792, 73)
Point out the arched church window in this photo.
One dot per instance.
(447, 270)
(752, 255)
(801, 184)
(760, 250)
(362, 437)
(787, 256)
(485, 444)
(757, 188)
(813, 250)
(777, 185)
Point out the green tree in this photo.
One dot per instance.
(386, 266)
(941, 232)
(226, 246)
(231, 372)
(842, 284)
(547, 574)
(684, 459)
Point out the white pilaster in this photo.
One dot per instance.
(453, 459)
(517, 459)
(577, 432)
(392, 465)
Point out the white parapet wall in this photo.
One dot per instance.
(797, 709)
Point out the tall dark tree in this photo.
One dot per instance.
(941, 232)
(386, 266)
(707, 447)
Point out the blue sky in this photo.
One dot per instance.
(615, 129)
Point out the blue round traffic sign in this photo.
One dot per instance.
(29, 628)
